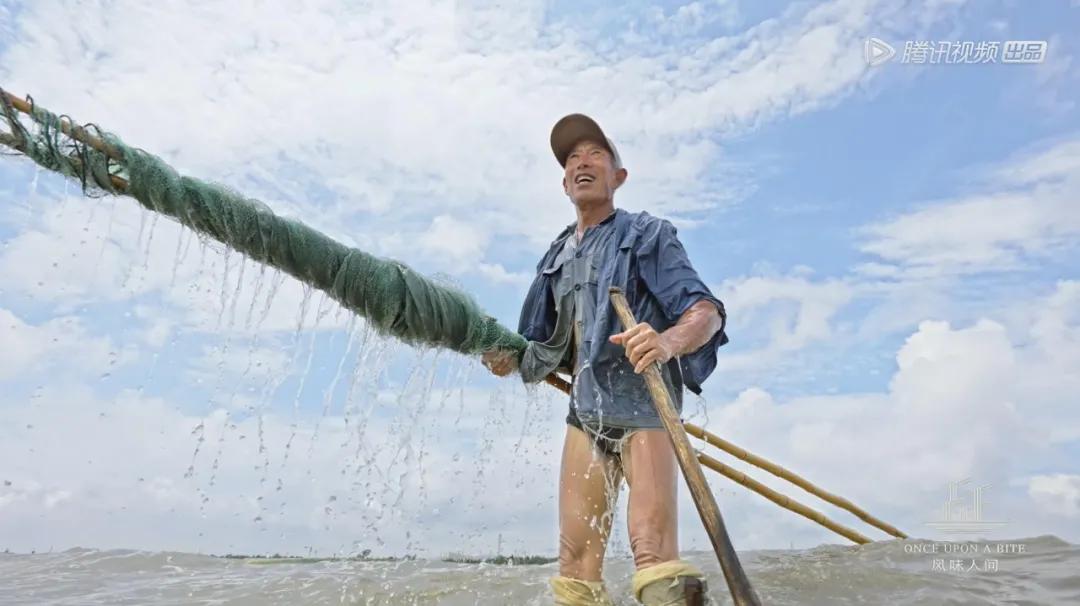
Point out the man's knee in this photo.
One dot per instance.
(652, 540)
(579, 558)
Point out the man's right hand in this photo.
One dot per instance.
(500, 362)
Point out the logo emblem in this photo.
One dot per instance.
(877, 51)
(963, 516)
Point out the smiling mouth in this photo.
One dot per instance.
(580, 179)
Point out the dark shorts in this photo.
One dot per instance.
(607, 439)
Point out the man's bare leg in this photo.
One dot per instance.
(588, 486)
(652, 513)
(652, 516)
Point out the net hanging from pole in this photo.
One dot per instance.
(395, 299)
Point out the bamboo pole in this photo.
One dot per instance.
(790, 476)
(559, 383)
(781, 499)
(118, 183)
(67, 127)
(752, 484)
(738, 584)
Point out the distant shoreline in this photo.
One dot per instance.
(498, 560)
(363, 556)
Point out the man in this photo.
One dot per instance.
(613, 429)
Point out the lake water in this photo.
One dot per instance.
(897, 572)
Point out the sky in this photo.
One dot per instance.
(896, 245)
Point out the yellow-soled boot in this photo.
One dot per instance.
(674, 583)
(575, 592)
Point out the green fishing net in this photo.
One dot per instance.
(395, 299)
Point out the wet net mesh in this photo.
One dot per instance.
(395, 299)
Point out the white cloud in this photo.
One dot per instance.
(1056, 493)
(1053, 162)
(368, 478)
(1055, 78)
(964, 402)
(1027, 215)
(337, 114)
(788, 312)
(690, 19)
(159, 327)
(457, 243)
(498, 274)
(59, 345)
(240, 365)
(1035, 217)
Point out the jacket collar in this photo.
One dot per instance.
(565, 233)
(620, 216)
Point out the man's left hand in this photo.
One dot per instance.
(500, 362)
(644, 346)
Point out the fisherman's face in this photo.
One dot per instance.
(590, 175)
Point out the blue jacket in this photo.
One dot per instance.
(652, 268)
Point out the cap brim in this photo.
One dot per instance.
(573, 129)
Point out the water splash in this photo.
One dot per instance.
(293, 425)
(328, 395)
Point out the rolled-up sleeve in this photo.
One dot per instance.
(665, 268)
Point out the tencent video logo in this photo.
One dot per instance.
(945, 52)
(877, 51)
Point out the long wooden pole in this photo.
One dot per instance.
(792, 477)
(744, 480)
(738, 583)
(72, 130)
(118, 183)
(68, 128)
(781, 499)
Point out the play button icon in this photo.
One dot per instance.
(877, 51)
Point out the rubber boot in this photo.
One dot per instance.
(674, 583)
(575, 592)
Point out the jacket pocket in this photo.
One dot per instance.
(559, 284)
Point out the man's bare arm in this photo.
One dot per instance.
(693, 330)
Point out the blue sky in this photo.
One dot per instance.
(897, 247)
